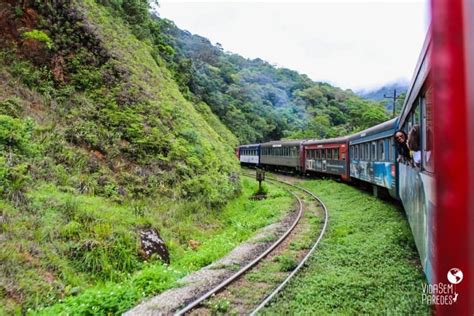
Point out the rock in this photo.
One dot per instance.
(193, 244)
(151, 243)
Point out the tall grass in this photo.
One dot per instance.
(79, 254)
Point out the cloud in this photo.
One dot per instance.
(351, 44)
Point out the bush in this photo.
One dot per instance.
(39, 36)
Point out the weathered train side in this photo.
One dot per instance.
(372, 157)
(249, 154)
(328, 156)
(282, 155)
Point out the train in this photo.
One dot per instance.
(436, 187)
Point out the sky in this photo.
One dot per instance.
(351, 44)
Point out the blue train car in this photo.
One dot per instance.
(249, 154)
(372, 157)
(416, 179)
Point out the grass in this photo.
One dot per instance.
(83, 250)
(366, 263)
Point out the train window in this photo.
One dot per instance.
(323, 154)
(361, 151)
(381, 150)
(391, 148)
(416, 113)
(328, 153)
(408, 125)
(427, 132)
(355, 149)
(335, 154)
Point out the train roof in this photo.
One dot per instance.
(249, 146)
(282, 142)
(378, 131)
(342, 139)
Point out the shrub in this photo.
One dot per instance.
(39, 36)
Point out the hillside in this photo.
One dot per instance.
(96, 144)
(260, 102)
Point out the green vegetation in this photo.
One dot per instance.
(366, 263)
(83, 250)
(286, 262)
(96, 143)
(258, 101)
(39, 36)
(220, 306)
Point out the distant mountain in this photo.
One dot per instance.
(378, 94)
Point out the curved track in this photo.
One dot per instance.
(300, 265)
(198, 302)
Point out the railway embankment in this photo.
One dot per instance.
(366, 264)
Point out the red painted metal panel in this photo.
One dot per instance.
(451, 224)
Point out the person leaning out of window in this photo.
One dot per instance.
(413, 143)
(402, 147)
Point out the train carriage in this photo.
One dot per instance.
(416, 178)
(372, 157)
(329, 156)
(282, 155)
(249, 154)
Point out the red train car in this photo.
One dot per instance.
(453, 107)
(327, 156)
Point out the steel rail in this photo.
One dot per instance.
(235, 276)
(300, 265)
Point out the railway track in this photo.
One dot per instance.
(243, 294)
